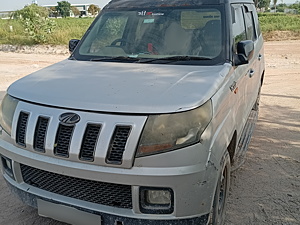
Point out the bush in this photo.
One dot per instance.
(31, 11)
(39, 28)
(36, 23)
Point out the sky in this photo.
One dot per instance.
(11, 5)
(19, 4)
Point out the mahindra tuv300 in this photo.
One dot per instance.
(144, 121)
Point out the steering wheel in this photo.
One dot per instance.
(121, 40)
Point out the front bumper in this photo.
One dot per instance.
(105, 218)
(193, 186)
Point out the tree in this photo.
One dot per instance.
(262, 4)
(296, 6)
(275, 3)
(53, 12)
(93, 9)
(281, 7)
(63, 8)
(75, 11)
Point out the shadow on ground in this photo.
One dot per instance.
(269, 181)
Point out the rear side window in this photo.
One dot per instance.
(238, 25)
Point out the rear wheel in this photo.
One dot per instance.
(217, 216)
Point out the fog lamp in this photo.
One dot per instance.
(156, 200)
(158, 197)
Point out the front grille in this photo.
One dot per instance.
(97, 138)
(115, 195)
(117, 145)
(89, 142)
(21, 129)
(40, 134)
(63, 140)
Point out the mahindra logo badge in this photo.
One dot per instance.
(69, 118)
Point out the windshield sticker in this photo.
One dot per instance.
(145, 13)
(148, 20)
(157, 14)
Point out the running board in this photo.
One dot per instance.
(244, 141)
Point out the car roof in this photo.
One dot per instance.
(114, 4)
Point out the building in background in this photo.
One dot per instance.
(5, 14)
(83, 8)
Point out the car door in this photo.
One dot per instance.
(254, 72)
(241, 72)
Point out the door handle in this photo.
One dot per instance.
(251, 73)
(260, 57)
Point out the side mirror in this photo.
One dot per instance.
(73, 44)
(245, 51)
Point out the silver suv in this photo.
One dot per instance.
(145, 120)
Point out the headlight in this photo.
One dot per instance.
(167, 132)
(7, 110)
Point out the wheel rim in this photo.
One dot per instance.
(217, 214)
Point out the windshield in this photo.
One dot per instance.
(166, 33)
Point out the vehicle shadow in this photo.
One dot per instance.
(269, 180)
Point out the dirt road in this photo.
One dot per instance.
(266, 189)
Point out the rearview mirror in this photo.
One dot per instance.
(73, 44)
(245, 51)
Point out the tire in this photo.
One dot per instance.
(217, 216)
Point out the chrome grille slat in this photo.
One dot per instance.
(21, 129)
(40, 134)
(118, 144)
(89, 142)
(109, 194)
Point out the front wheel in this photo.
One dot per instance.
(217, 216)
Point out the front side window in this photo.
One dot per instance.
(155, 34)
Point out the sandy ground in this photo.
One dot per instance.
(266, 189)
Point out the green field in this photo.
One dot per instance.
(279, 22)
(65, 30)
(12, 32)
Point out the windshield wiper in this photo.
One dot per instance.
(174, 58)
(117, 58)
